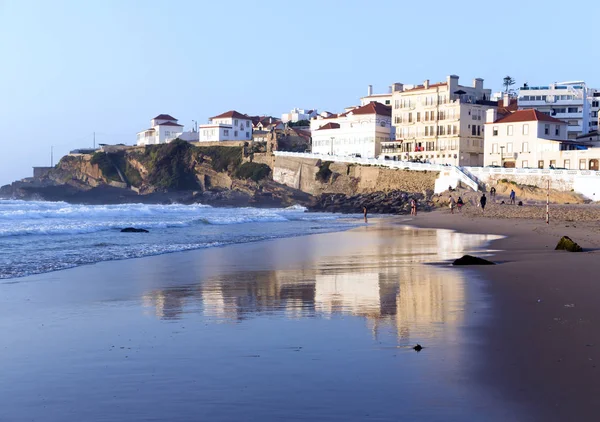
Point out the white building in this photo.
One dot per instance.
(163, 129)
(298, 114)
(565, 101)
(385, 99)
(530, 138)
(229, 126)
(440, 123)
(357, 132)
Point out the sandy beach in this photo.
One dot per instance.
(319, 327)
(542, 342)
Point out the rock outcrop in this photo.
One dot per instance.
(472, 260)
(566, 244)
(133, 230)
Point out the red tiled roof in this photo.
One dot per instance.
(527, 115)
(165, 117)
(169, 124)
(373, 108)
(232, 114)
(330, 126)
(513, 106)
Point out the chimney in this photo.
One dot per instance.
(397, 87)
(426, 83)
(478, 84)
(370, 91)
(452, 81)
(491, 115)
(505, 99)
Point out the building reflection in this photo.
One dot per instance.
(387, 284)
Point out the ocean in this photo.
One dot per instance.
(38, 237)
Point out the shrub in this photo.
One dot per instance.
(222, 158)
(106, 166)
(254, 171)
(170, 166)
(324, 172)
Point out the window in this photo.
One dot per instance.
(409, 117)
(387, 102)
(441, 115)
(418, 116)
(432, 115)
(552, 163)
(226, 132)
(247, 123)
(540, 164)
(248, 135)
(524, 163)
(454, 130)
(426, 116)
(546, 129)
(567, 164)
(572, 110)
(557, 130)
(235, 122)
(525, 147)
(509, 148)
(495, 131)
(449, 130)
(426, 130)
(509, 130)
(396, 104)
(473, 130)
(494, 148)
(582, 164)
(525, 129)
(478, 130)
(235, 134)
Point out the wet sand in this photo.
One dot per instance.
(318, 327)
(542, 343)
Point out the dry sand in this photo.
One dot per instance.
(543, 343)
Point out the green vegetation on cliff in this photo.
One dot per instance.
(324, 172)
(106, 166)
(171, 166)
(254, 171)
(222, 158)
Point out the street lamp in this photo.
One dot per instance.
(502, 156)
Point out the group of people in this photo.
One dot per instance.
(482, 200)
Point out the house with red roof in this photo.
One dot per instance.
(163, 128)
(529, 138)
(228, 126)
(359, 131)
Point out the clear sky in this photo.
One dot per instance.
(69, 68)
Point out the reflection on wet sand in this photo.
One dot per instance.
(385, 282)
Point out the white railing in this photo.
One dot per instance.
(364, 161)
(534, 172)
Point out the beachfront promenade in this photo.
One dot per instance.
(586, 182)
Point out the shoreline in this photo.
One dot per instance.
(540, 344)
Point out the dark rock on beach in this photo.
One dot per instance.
(133, 230)
(392, 202)
(472, 260)
(566, 244)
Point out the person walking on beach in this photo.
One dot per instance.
(493, 194)
(459, 204)
(451, 204)
(413, 207)
(365, 213)
(513, 196)
(483, 201)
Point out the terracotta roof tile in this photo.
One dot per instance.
(169, 124)
(527, 115)
(372, 108)
(330, 126)
(165, 117)
(231, 114)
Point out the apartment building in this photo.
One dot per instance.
(356, 132)
(440, 123)
(531, 139)
(228, 126)
(572, 102)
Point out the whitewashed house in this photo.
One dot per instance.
(298, 114)
(163, 128)
(229, 126)
(530, 138)
(358, 132)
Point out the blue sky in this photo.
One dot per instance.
(70, 68)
